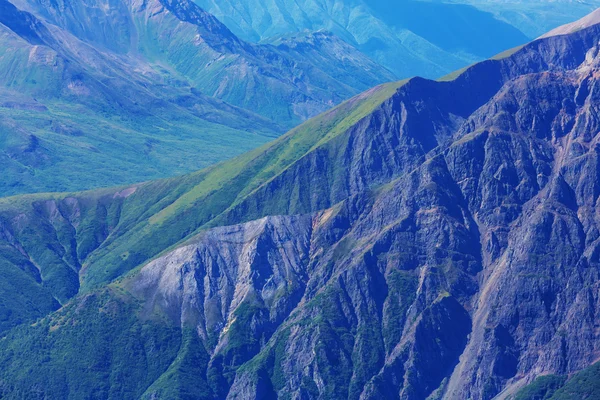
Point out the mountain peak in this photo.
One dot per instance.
(210, 28)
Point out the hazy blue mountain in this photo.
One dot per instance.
(408, 37)
(196, 47)
(101, 93)
(422, 240)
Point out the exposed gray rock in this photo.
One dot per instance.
(473, 270)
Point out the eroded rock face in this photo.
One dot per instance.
(473, 270)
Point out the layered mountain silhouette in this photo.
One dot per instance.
(98, 94)
(424, 38)
(428, 38)
(534, 18)
(424, 239)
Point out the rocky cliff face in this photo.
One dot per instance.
(425, 240)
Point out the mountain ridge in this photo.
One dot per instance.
(585, 22)
(389, 33)
(457, 216)
(97, 107)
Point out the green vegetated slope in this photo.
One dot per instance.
(582, 385)
(72, 117)
(50, 242)
(63, 146)
(93, 237)
(113, 345)
(81, 110)
(189, 48)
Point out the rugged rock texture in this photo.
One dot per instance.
(423, 240)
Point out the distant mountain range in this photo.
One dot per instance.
(422, 240)
(533, 17)
(409, 37)
(102, 93)
(97, 94)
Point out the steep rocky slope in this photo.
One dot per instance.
(422, 240)
(176, 92)
(64, 237)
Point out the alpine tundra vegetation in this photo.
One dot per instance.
(99, 93)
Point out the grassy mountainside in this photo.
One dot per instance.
(582, 385)
(82, 111)
(93, 237)
(112, 345)
(193, 46)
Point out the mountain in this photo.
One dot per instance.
(427, 38)
(423, 38)
(177, 92)
(425, 239)
(72, 117)
(191, 43)
(62, 237)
